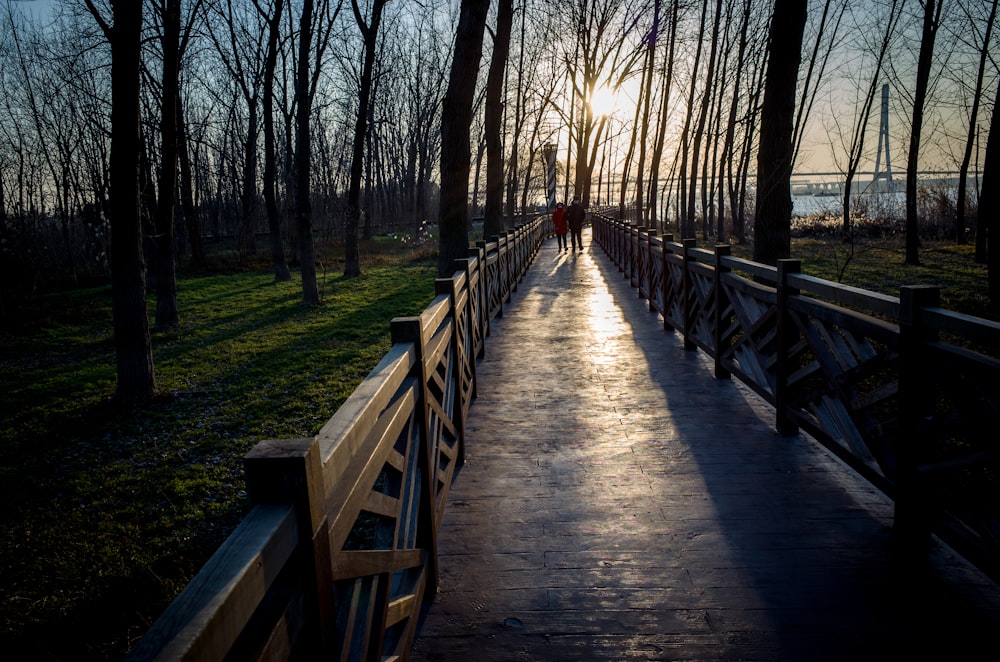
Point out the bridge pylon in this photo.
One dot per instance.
(883, 144)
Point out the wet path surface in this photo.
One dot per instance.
(618, 503)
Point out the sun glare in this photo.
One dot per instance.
(602, 102)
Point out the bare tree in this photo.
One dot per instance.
(827, 35)
(702, 117)
(989, 203)
(963, 173)
(855, 150)
(421, 103)
(686, 220)
(606, 47)
(369, 31)
(456, 118)
(273, 18)
(303, 161)
(191, 216)
(306, 77)
(519, 119)
(932, 21)
(493, 214)
(133, 347)
(642, 120)
(772, 220)
(173, 42)
(238, 42)
(657, 152)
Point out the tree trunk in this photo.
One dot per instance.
(773, 216)
(686, 200)
(352, 258)
(989, 204)
(646, 99)
(963, 174)
(133, 348)
(493, 213)
(657, 155)
(699, 130)
(280, 265)
(456, 115)
(513, 165)
(166, 277)
(303, 207)
(248, 198)
(187, 189)
(932, 18)
(746, 155)
(729, 153)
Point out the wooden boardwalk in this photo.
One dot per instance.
(618, 503)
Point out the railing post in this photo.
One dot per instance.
(636, 273)
(291, 471)
(512, 261)
(622, 242)
(650, 272)
(411, 330)
(627, 251)
(462, 362)
(635, 245)
(911, 520)
(664, 277)
(721, 319)
(519, 245)
(478, 292)
(687, 294)
(608, 237)
(501, 272)
(612, 240)
(787, 337)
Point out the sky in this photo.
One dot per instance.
(815, 157)
(40, 8)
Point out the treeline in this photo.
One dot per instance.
(279, 123)
(56, 127)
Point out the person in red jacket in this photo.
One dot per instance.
(559, 220)
(575, 217)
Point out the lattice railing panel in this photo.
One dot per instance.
(844, 380)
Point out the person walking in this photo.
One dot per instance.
(559, 220)
(575, 216)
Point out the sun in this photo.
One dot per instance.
(603, 101)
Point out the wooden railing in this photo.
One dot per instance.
(905, 392)
(339, 551)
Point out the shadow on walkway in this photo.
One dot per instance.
(618, 503)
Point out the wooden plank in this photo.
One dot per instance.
(349, 489)
(400, 609)
(341, 436)
(365, 563)
(207, 617)
(651, 517)
(847, 296)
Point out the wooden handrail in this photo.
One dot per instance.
(902, 393)
(339, 551)
(206, 618)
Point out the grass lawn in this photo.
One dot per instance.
(877, 265)
(106, 512)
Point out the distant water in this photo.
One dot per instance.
(811, 205)
(881, 204)
(824, 195)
